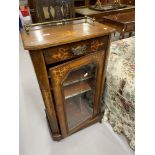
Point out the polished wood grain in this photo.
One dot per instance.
(41, 72)
(57, 35)
(64, 52)
(105, 63)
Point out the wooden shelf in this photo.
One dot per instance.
(76, 89)
(77, 76)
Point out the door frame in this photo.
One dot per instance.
(58, 75)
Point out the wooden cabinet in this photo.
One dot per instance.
(70, 63)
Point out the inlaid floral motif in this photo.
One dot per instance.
(61, 54)
(96, 44)
(59, 73)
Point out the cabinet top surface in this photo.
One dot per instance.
(49, 36)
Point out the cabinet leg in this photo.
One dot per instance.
(130, 34)
(55, 137)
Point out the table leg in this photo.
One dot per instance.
(122, 35)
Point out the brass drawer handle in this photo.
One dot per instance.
(79, 50)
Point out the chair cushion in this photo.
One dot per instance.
(120, 76)
(119, 94)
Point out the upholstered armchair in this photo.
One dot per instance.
(119, 95)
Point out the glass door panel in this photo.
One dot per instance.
(79, 93)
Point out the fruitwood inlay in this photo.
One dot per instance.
(59, 72)
(64, 52)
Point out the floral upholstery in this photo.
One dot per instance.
(119, 95)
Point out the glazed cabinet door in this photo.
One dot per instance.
(76, 88)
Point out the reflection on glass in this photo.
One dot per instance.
(79, 91)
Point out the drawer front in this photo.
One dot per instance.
(73, 50)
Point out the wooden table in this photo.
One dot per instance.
(99, 14)
(125, 24)
(122, 22)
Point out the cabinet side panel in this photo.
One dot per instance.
(41, 73)
(105, 62)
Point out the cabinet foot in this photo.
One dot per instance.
(55, 136)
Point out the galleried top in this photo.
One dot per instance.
(42, 36)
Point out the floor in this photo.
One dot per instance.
(98, 139)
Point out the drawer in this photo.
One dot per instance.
(73, 50)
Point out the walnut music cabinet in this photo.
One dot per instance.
(69, 58)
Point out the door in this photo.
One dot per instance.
(76, 88)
